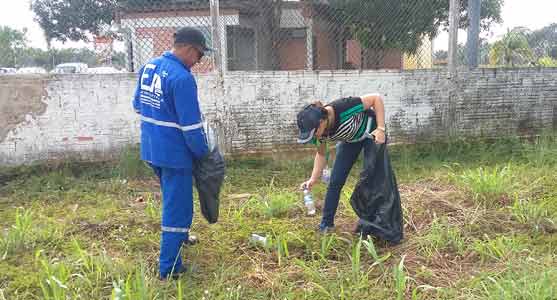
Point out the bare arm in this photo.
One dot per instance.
(318, 165)
(375, 101)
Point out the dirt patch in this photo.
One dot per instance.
(444, 269)
(425, 201)
(19, 97)
(96, 230)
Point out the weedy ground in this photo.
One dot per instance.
(480, 223)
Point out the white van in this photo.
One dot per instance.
(7, 70)
(70, 68)
(31, 70)
(103, 70)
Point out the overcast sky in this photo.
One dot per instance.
(533, 14)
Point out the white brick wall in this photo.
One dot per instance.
(86, 115)
(90, 116)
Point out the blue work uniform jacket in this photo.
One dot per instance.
(172, 133)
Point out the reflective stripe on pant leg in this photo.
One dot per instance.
(177, 213)
(175, 229)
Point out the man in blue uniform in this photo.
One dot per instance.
(172, 137)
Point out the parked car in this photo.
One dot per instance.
(31, 70)
(103, 70)
(7, 70)
(70, 68)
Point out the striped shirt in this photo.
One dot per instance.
(352, 122)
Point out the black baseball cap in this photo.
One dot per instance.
(308, 122)
(191, 36)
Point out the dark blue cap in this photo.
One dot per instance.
(308, 122)
(191, 36)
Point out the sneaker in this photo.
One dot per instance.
(358, 228)
(186, 268)
(192, 240)
(326, 229)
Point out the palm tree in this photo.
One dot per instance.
(513, 48)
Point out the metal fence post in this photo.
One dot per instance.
(309, 44)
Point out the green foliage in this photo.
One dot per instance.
(12, 42)
(278, 203)
(72, 20)
(19, 235)
(403, 24)
(512, 50)
(401, 279)
(131, 166)
(489, 186)
(83, 235)
(547, 61)
(500, 248)
(441, 237)
(523, 283)
(544, 41)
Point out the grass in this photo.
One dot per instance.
(487, 185)
(19, 234)
(442, 236)
(521, 284)
(480, 223)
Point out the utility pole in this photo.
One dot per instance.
(453, 36)
(474, 10)
(216, 37)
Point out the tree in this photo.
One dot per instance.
(74, 20)
(119, 59)
(82, 55)
(547, 62)
(36, 57)
(12, 42)
(512, 49)
(544, 41)
(441, 55)
(403, 24)
(48, 59)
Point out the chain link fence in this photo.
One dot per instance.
(521, 47)
(148, 28)
(518, 47)
(269, 35)
(289, 35)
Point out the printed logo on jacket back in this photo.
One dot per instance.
(151, 91)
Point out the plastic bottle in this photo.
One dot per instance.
(326, 175)
(258, 240)
(308, 202)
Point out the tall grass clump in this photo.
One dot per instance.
(131, 166)
(20, 234)
(521, 284)
(489, 186)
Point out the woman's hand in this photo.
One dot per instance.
(309, 184)
(379, 136)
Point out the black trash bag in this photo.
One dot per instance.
(208, 175)
(376, 199)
